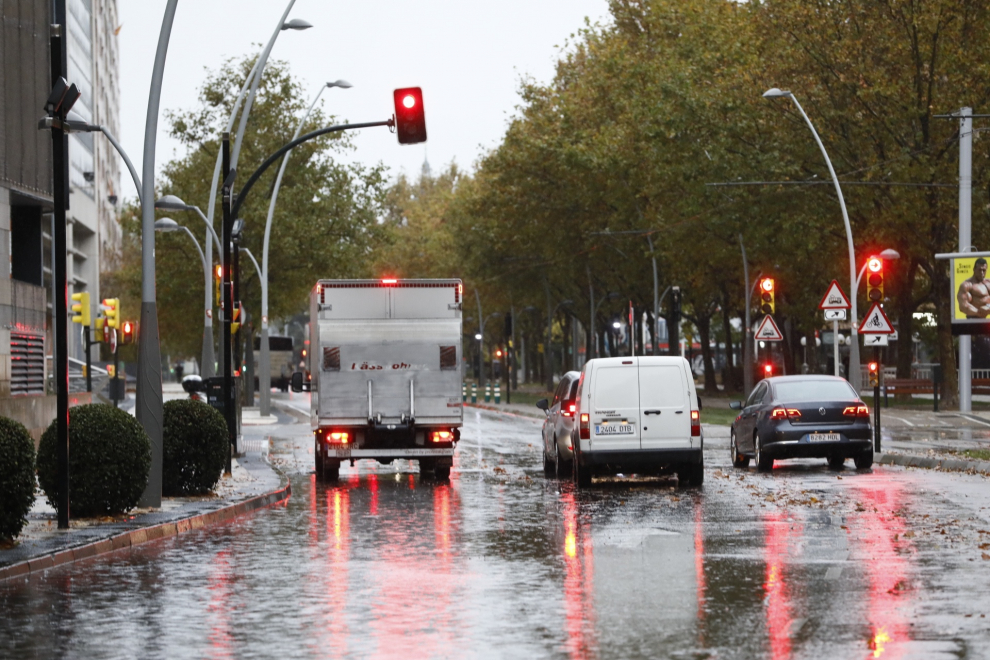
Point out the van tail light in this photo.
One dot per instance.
(856, 411)
(695, 423)
(568, 409)
(442, 436)
(585, 426)
(785, 413)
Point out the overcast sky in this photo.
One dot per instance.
(468, 56)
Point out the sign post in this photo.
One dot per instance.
(875, 325)
(835, 303)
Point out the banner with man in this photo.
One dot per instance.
(971, 296)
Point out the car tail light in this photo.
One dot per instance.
(856, 411)
(442, 436)
(695, 423)
(585, 426)
(785, 413)
(568, 409)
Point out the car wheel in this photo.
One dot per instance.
(864, 461)
(549, 468)
(563, 467)
(836, 462)
(763, 462)
(738, 460)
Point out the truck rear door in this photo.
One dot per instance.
(615, 419)
(664, 400)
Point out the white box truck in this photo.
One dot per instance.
(384, 372)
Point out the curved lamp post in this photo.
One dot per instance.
(854, 368)
(264, 368)
(173, 203)
(169, 225)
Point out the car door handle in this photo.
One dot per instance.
(652, 412)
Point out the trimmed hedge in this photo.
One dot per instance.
(109, 461)
(195, 447)
(16, 477)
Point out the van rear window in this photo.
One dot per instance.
(616, 387)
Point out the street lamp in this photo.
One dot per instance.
(612, 295)
(169, 225)
(75, 124)
(265, 368)
(173, 203)
(854, 369)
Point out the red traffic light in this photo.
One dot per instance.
(410, 117)
(767, 284)
(873, 367)
(127, 332)
(767, 370)
(875, 264)
(218, 271)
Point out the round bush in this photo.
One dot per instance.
(16, 477)
(109, 460)
(195, 447)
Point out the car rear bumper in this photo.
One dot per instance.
(653, 460)
(803, 448)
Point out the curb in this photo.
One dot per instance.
(499, 410)
(136, 537)
(912, 460)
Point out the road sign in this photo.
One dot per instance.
(892, 336)
(112, 333)
(834, 298)
(768, 330)
(835, 315)
(875, 322)
(875, 340)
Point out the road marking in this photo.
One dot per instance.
(973, 418)
(900, 420)
(833, 573)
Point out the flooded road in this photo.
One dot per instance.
(500, 562)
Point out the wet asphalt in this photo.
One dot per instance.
(500, 562)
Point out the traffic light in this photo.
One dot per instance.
(127, 335)
(80, 308)
(217, 280)
(235, 321)
(874, 374)
(100, 335)
(410, 118)
(111, 309)
(766, 295)
(874, 279)
(767, 370)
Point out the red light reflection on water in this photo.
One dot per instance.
(876, 537)
(339, 537)
(699, 570)
(779, 609)
(373, 489)
(218, 610)
(579, 582)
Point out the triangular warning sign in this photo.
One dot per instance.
(834, 298)
(875, 322)
(768, 330)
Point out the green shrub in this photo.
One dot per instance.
(16, 477)
(109, 460)
(195, 447)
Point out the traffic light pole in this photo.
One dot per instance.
(89, 363)
(229, 409)
(116, 376)
(876, 400)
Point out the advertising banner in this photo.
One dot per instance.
(970, 296)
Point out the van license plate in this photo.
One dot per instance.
(823, 437)
(613, 429)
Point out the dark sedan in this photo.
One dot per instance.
(802, 417)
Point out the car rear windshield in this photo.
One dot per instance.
(814, 390)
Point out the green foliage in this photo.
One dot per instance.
(16, 477)
(195, 447)
(109, 460)
(325, 222)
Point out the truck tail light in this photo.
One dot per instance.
(856, 411)
(339, 437)
(585, 426)
(442, 436)
(695, 423)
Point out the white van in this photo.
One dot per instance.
(638, 415)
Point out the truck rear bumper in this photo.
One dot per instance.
(389, 453)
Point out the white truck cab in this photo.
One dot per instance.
(638, 415)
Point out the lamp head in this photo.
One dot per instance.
(890, 253)
(166, 224)
(296, 24)
(171, 203)
(775, 92)
(343, 84)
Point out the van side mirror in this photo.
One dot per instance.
(300, 382)
(736, 405)
(544, 405)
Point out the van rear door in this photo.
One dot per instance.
(665, 406)
(614, 413)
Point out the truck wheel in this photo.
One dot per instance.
(442, 473)
(330, 471)
(319, 460)
(427, 466)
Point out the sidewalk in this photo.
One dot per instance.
(252, 485)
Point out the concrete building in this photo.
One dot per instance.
(26, 190)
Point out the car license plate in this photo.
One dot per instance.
(823, 437)
(613, 429)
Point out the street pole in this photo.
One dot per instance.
(226, 307)
(835, 346)
(748, 341)
(547, 353)
(965, 243)
(148, 401)
(876, 400)
(656, 300)
(60, 289)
